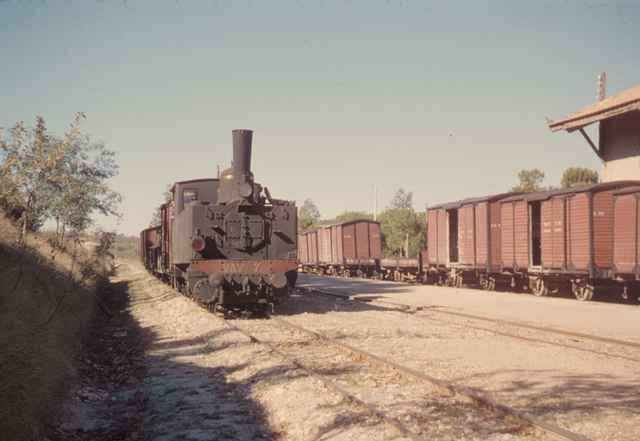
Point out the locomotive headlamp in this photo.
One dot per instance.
(198, 243)
(278, 280)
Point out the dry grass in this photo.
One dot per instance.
(47, 302)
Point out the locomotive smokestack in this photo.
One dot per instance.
(242, 151)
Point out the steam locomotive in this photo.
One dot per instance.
(225, 242)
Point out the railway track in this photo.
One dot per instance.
(412, 309)
(307, 353)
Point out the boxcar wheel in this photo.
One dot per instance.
(584, 293)
(539, 288)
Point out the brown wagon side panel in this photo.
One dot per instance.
(521, 233)
(495, 234)
(432, 236)
(324, 245)
(559, 233)
(466, 227)
(625, 240)
(302, 249)
(579, 232)
(482, 237)
(507, 237)
(546, 237)
(313, 247)
(603, 229)
(442, 255)
(349, 242)
(335, 259)
(362, 240)
(375, 240)
(339, 244)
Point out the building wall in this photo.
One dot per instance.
(620, 144)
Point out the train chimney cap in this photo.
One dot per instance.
(242, 139)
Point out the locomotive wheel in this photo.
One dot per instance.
(539, 288)
(584, 293)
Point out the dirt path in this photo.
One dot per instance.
(165, 369)
(182, 374)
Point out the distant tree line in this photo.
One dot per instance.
(530, 180)
(64, 179)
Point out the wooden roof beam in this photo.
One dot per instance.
(595, 149)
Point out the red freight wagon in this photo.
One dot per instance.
(352, 247)
(464, 240)
(442, 248)
(149, 248)
(561, 238)
(359, 247)
(479, 239)
(361, 242)
(626, 248)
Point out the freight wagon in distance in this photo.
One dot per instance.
(352, 248)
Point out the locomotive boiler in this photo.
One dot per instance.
(227, 242)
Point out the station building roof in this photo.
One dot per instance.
(624, 102)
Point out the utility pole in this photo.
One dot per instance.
(406, 245)
(375, 202)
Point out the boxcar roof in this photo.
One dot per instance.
(592, 188)
(354, 221)
(624, 102)
(474, 200)
(446, 206)
(628, 190)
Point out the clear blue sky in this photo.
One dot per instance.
(444, 99)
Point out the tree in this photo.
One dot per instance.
(45, 177)
(577, 176)
(403, 230)
(308, 215)
(347, 216)
(30, 167)
(87, 167)
(530, 181)
(402, 199)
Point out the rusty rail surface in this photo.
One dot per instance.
(439, 310)
(373, 410)
(398, 307)
(474, 394)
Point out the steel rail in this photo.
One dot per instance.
(439, 310)
(474, 394)
(373, 410)
(409, 310)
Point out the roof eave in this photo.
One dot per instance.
(574, 123)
